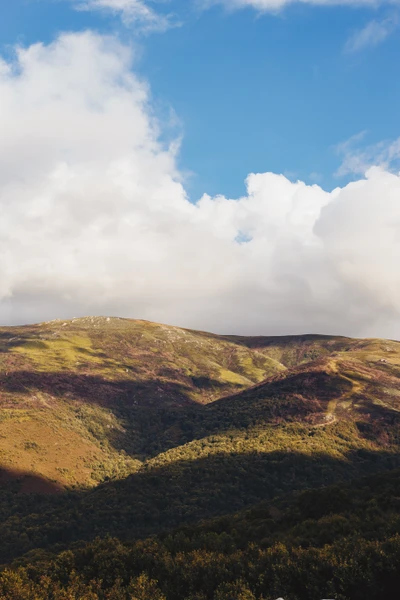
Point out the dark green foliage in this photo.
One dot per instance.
(348, 550)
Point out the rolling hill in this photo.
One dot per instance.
(123, 439)
(75, 394)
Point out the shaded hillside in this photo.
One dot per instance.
(340, 541)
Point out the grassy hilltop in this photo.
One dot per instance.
(264, 466)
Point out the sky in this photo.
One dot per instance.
(229, 166)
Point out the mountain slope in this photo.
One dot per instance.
(76, 395)
(133, 429)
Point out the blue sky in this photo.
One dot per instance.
(252, 92)
(235, 171)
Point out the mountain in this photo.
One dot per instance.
(273, 458)
(76, 395)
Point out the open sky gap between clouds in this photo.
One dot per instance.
(95, 218)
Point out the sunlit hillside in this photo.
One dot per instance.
(76, 395)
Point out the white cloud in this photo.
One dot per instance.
(358, 157)
(131, 11)
(95, 219)
(140, 12)
(371, 35)
(264, 6)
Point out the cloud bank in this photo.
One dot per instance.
(95, 218)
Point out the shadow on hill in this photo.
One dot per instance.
(301, 397)
(20, 482)
(160, 415)
(288, 340)
(12, 337)
(96, 389)
(170, 495)
(315, 382)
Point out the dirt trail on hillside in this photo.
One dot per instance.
(356, 388)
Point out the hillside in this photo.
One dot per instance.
(76, 395)
(130, 429)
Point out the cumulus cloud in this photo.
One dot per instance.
(372, 34)
(95, 218)
(131, 12)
